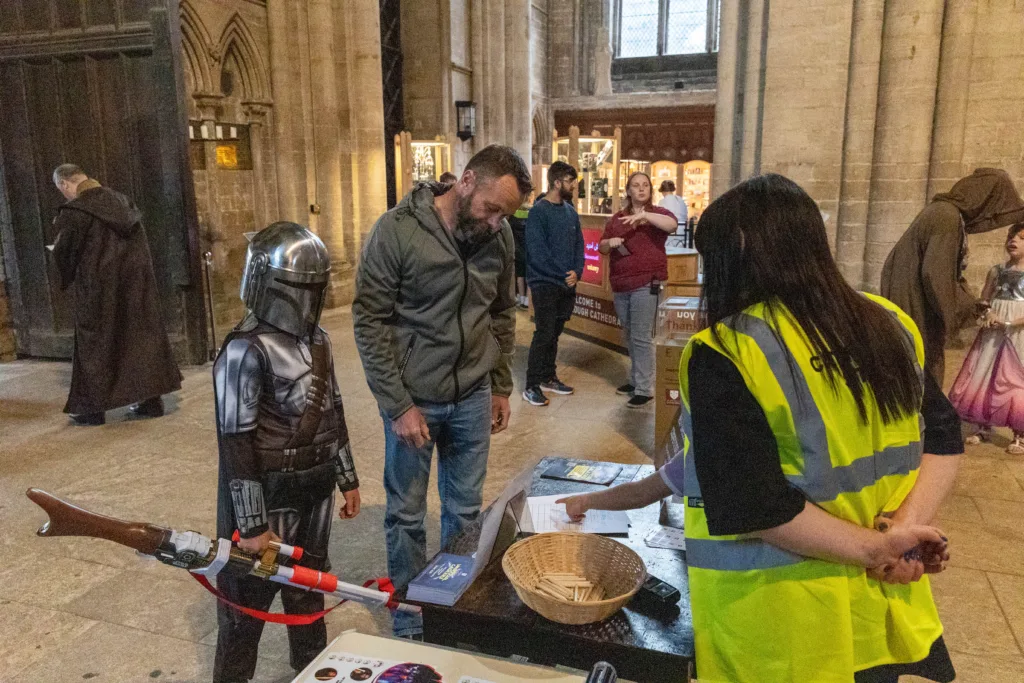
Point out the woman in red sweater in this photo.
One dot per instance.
(635, 238)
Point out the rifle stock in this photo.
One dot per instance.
(70, 520)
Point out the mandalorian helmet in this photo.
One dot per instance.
(285, 278)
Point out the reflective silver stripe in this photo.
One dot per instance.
(820, 481)
(737, 556)
(691, 487)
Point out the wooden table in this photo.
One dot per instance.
(644, 645)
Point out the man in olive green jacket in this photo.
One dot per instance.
(434, 319)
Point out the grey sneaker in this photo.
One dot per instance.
(625, 390)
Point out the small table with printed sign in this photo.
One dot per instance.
(645, 645)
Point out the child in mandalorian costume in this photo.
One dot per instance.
(282, 439)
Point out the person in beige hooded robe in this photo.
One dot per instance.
(922, 274)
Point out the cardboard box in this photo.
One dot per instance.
(666, 388)
(682, 268)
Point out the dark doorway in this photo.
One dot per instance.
(109, 99)
(391, 72)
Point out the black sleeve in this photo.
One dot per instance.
(238, 452)
(942, 435)
(735, 453)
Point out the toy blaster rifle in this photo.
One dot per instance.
(203, 557)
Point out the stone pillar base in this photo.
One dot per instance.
(8, 348)
(341, 290)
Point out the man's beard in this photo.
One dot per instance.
(565, 194)
(466, 223)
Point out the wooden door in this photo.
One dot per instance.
(97, 83)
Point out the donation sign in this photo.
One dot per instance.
(593, 268)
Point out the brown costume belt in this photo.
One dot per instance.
(296, 459)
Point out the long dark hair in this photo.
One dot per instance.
(764, 241)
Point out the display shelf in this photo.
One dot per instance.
(596, 158)
(420, 160)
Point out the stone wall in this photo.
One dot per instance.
(477, 50)
(873, 106)
(307, 82)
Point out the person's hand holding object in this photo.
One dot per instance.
(258, 544)
(913, 552)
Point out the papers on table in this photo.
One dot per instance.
(666, 537)
(543, 515)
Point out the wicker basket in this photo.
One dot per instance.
(607, 563)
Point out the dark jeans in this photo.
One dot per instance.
(552, 308)
(305, 523)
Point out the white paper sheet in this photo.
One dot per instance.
(666, 537)
(544, 515)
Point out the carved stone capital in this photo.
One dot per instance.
(256, 111)
(207, 103)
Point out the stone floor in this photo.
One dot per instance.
(74, 609)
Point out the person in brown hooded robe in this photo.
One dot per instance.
(122, 355)
(922, 274)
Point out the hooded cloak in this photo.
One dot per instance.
(122, 354)
(922, 274)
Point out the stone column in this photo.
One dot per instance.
(478, 55)
(903, 128)
(858, 138)
(256, 115)
(517, 79)
(289, 157)
(326, 138)
(366, 106)
(493, 101)
(206, 107)
(955, 66)
(727, 127)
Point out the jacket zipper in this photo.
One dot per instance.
(405, 359)
(462, 332)
(462, 300)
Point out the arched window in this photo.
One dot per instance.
(653, 28)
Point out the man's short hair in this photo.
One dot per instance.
(66, 172)
(448, 178)
(498, 161)
(667, 186)
(560, 171)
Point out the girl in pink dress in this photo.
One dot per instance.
(989, 391)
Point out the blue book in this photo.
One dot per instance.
(443, 581)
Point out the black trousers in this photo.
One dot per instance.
(303, 521)
(552, 308)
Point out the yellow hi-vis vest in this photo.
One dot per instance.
(762, 614)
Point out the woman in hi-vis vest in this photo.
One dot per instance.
(801, 408)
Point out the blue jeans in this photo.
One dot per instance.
(462, 433)
(637, 310)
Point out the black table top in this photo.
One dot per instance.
(491, 598)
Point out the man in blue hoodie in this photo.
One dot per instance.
(554, 264)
